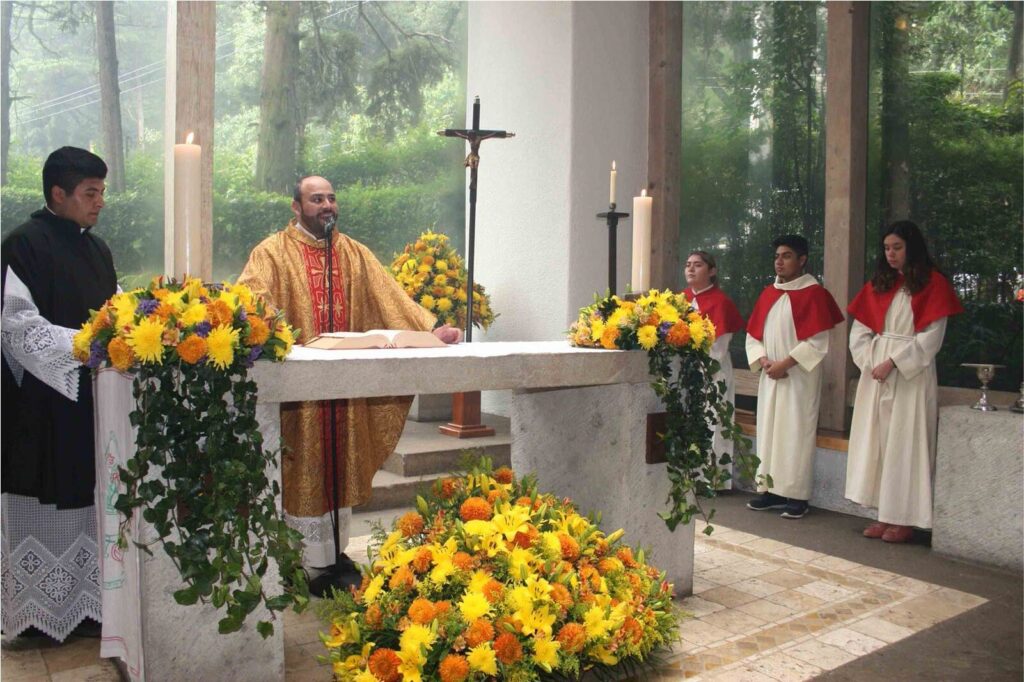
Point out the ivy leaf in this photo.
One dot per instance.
(265, 628)
(187, 596)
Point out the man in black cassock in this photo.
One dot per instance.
(54, 271)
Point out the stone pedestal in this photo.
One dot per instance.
(978, 473)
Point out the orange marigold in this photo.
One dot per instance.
(493, 591)
(441, 608)
(572, 637)
(524, 501)
(411, 523)
(503, 475)
(218, 313)
(609, 337)
(192, 349)
(525, 539)
(453, 668)
(479, 631)
(259, 332)
(609, 564)
(632, 631)
(496, 494)
(570, 548)
(164, 311)
(402, 578)
(475, 508)
(507, 648)
(560, 595)
(421, 560)
(422, 611)
(625, 555)
(679, 334)
(384, 664)
(450, 486)
(102, 320)
(462, 561)
(374, 617)
(121, 354)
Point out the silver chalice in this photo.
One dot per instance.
(985, 372)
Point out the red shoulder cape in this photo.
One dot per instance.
(719, 308)
(814, 310)
(936, 301)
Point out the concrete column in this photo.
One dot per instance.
(846, 112)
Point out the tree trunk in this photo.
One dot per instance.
(110, 96)
(895, 123)
(6, 15)
(277, 144)
(1016, 45)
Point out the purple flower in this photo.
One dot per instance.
(147, 307)
(241, 314)
(97, 354)
(664, 327)
(254, 355)
(203, 329)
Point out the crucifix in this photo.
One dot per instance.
(466, 406)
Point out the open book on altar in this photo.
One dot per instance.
(375, 338)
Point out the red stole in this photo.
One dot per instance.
(814, 310)
(934, 302)
(719, 308)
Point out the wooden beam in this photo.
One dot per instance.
(664, 135)
(846, 130)
(195, 61)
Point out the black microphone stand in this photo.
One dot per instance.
(323, 584)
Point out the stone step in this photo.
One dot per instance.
(422, 450)
(423, 455)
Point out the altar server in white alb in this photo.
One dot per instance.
(787, 338)
(899, 322)
(702, 290)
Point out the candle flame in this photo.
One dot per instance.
(643, 192)
(188, 140)
(613, 165)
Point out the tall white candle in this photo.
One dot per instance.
(611, 188)
(642, 207)
(187, 208)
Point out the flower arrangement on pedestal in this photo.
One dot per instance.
(678, 340)
(433, 275)
(489, 578)
(199, 470)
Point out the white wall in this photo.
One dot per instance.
(570, 79)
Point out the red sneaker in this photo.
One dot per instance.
(876, 530)
(898, 534)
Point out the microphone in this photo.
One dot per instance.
(329, 224)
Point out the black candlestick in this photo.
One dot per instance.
(612, 217)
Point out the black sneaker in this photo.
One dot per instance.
(767, 501)
(795, 509)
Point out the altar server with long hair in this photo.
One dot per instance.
(702, 290)
(899, 323)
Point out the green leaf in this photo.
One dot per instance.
(265, 628)
(187, 596)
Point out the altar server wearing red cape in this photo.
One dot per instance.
(899, 322)
(787, 338)
(702, 290)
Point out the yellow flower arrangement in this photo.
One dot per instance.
(514, 607)
(432, 274)
(617, 324)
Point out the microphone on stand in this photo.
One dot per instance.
(329, 224)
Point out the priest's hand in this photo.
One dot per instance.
(448, 334)
(881, 372)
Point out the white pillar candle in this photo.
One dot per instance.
(611, 188)
(642, 207)
(187, 208)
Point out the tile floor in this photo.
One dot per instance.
(761, 610)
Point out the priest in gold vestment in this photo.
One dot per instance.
(288, 268)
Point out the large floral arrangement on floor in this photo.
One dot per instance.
(678, 340)
(189, 346)
(491, 579)
(433, 275)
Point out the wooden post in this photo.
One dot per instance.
(190, 76)
(465, 421)
(846, 130)
(664, 135)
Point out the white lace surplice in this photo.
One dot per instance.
(48, 557)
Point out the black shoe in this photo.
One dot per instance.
(343, 576)
(767, 501)
(795, 509)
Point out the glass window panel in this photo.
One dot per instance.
(356, 93)
(753, 144)
(945, 150)
(56, 101)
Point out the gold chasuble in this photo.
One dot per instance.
(288, 268)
